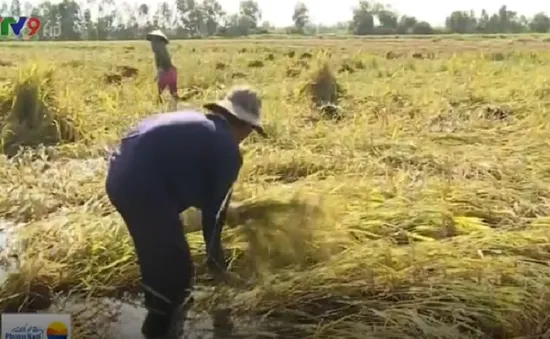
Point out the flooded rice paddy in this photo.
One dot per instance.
(121, 319)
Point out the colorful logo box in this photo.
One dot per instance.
(36, 326)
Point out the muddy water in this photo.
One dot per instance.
(112, 318)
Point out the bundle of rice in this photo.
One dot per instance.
(97, 257)
(324, 91)
(475, 286)
(34, 118)
(267, 235)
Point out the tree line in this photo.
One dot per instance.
(188, 19)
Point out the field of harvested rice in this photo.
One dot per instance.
(404, 192)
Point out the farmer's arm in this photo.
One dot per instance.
(223, 170)
(223, 214)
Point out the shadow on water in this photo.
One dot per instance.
(122, 318)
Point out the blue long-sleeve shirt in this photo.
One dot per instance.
(197, 158)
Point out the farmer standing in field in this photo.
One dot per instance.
(167, 74)
(166, 164)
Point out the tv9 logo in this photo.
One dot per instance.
(27, 27)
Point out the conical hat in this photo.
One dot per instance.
(157, 33)
(244, 103)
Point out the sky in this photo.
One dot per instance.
(279, 12)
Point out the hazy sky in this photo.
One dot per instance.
(279, 12)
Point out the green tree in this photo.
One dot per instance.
(213, 15)
(196, 17)
(483, 22)
(362, 22)
(510, 22)
(163, 16)
(15, 8)
(250, 9)
(238, 25)
(461, 22)
(69, 12)
(106, 18)
(406, 24)
(183, 8)
(422, 27)
(143, 13)
(126, 19)
(540, 23)
(89, 27)
(50, 17)
(388, 19)
(300, 17)
(4, 9)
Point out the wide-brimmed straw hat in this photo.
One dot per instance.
(244, 104)
(157, 33)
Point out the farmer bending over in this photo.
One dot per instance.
(167, 74)
(168, 163)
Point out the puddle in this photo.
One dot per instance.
(122, 319)
(111, 318)
(7, 263)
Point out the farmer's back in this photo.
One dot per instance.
(167, 163)
(177, 150)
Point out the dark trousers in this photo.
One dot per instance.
(163, 254)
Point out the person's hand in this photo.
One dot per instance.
(221, 274)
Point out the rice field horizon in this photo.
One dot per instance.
(403, 192)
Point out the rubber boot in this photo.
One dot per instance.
(166, 324)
